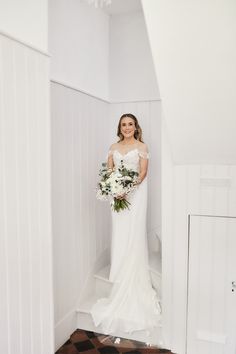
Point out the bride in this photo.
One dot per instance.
(133, 304)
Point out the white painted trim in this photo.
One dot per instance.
(214, 216)
(26, 44)
(72, 87)
(138, 100)
(64, 328)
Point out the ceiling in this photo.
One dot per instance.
(118, 7)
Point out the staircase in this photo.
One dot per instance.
(100, 286)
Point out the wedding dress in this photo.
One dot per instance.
(133, 304)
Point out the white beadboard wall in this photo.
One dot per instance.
(202, 190)
(167, 169)
(26, 301)
(83, 128)
(81, 223)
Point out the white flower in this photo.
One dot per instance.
(115, 184)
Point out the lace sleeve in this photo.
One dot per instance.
(143, 152)
(110, 152)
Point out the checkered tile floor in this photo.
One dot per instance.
(87, 342)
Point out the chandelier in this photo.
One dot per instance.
(99, 3)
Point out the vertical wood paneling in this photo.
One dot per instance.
(193, 196)
(27, 322)
(33, 177)
(103, 208)
(180, 229)
(4, 293)
(167, 227)
(83, 127)
(80, 227)
(9, 101)
(21, 92)
(155, 167)
(47, 310)
(211, 315)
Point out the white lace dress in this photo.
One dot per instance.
(133, 303)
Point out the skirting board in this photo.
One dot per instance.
(64, 328)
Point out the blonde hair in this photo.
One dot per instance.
(138, 130)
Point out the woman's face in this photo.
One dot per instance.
(127, 127)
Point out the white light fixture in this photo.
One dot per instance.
(99, 3)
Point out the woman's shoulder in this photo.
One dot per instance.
(113, 146)
(142, 146)
(143, 150)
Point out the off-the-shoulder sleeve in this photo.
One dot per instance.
(110, 152)
(143, 151)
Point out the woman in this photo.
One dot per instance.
(133, 303)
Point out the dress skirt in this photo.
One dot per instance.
(133, 303)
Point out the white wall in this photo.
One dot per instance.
(81, 223)
(194, 53)
(132, 75)
(26, 303)
(106, 56)
(26, 20)
(79, 45)
(198, 189)
(83, 128)
(167, 189)
(193, 47)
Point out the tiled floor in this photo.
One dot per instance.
(87, 342)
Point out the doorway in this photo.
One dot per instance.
(211, 315)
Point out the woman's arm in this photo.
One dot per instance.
(110, 162)
(143, 162)
(110, 165)
(143, 169)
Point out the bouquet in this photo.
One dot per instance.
(115, 183)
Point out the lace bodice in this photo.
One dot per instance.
(130, 154)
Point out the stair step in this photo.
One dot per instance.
(87, 304)
(103, 274)
(102, 287)
(85, 321)
(154, 266)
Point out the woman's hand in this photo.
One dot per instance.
(138, 181)
(109, 171)
(121, 196)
